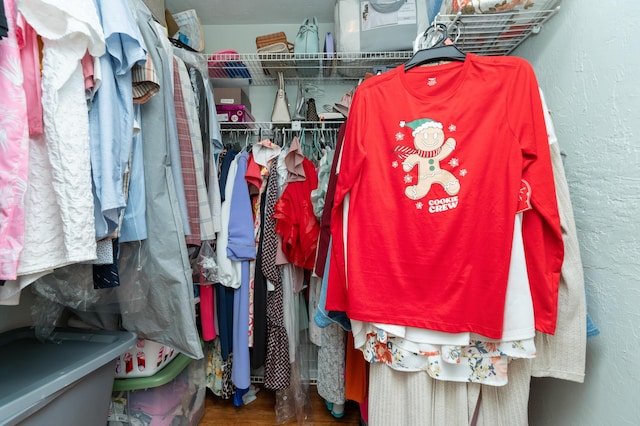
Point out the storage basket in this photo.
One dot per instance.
(144, 360)
(227, 64)
(175, 395)
(277, 58)
(269, 39)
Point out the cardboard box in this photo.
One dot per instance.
(157, 10)
(231, 96)
(172, 25)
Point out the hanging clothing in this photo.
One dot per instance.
(259, 347)
(207, 311)
(277, 371)
(325, 222)
(331, 364)
(228, 157)
(168, 316)
(443, 159)
(145, 83)
(199, 99)
(563, 355)
(32, 82)
(174, 147)
(134, 221)
(65, 113)
(319, 194)
(241, 249)
(111, 117)
(107, 275)
(59, 223)
(324, 318)
(14, 148)
(228, 270)
(435, 402)
(68, 29)
(215, 137)
(213, 192)
(218, 371)
(295, 220)
(224, 297)
(206, 226)
(460, 356)
(187, 163)
(356, 373)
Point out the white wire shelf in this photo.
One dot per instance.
(262, 68)
(491, 34)
(495, 34)
(267, 128)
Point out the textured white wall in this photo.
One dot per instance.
(587, 62)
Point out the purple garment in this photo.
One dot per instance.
(241, 248)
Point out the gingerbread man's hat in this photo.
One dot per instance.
(420, 124)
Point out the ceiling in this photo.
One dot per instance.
(240, 12)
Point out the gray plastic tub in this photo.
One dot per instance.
(65, 381)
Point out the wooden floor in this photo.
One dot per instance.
(220, 412)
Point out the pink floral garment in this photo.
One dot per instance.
(14, 149)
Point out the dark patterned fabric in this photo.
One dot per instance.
(277, 369)
(269, 238)
(107, 276)
(312, 112)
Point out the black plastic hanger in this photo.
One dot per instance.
(438, 52)
(178, 43)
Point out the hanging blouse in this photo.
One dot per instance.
(14, 150)
(207, 230)
(295, 220)
(59, 222)
(111, 114)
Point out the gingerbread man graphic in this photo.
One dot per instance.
(430, 149)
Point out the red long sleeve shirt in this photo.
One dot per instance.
(433, 161)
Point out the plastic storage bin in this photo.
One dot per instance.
(64, 381)
(144, 360)
(238, 115)
(173, 396)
